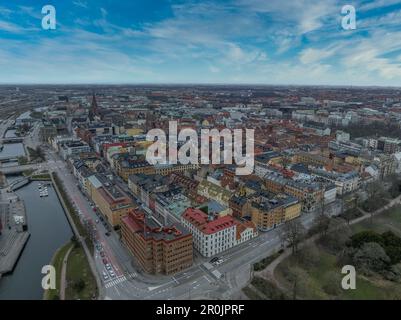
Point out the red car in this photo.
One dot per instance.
(105, 261)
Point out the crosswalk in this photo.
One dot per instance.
(113, 282)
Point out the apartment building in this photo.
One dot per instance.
(158, 249)
(112, 202)
(212, 191)
(268, 211)
(212, 234)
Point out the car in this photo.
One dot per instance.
(108, 266)
(220, 261)
(215, 259)
(105, 277)
(102, 254)
(97, 220)
(107, 234)
(112, 274)
(105, 261)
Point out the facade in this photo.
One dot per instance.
(213, 235)
(212, 191)
(70, 149)
(158, 249)
(268, 211)
(112, 202)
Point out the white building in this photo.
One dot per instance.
(213, 236)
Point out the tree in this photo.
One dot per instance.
(372, 257)
(320, 225)
(293, 233)
(79, 285)
(337, 235)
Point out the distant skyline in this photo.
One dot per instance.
(272, 42)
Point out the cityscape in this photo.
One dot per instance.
(214, 189)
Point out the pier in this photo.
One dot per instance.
(13, 228)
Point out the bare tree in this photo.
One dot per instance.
(293, 233)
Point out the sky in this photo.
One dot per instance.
(288, 42)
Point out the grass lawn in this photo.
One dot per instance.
(390, 220)
(321, 279)
(78, 270)
(313, 281)
(57, 262)
(252, 294)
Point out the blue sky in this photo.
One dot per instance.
(233, 41)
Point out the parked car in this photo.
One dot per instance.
(215, 259)
(108, 266)
(105, 261)
(107, 234)
(112, 274)
(102, 254)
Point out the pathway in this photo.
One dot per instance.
(64, 274)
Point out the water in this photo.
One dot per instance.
(10, 134)
(12, 150)
(49, 230)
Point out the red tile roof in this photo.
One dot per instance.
(200, 220)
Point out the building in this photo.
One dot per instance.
(73, 148)
(213, 235)
(158, 249)
(268, 211)
(171, 204)
(310, 193)
(212, 191)
(112, 202)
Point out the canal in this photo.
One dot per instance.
(49, 230)
(11, 149)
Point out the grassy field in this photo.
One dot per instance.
(57, 262)
(390, 220)
(318, 276)
(81, 284)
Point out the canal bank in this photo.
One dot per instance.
(49, 230)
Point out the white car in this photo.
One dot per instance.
(112, 274)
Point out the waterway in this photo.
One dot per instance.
(11, 149)
(49, 230)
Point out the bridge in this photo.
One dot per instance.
(12, 140)
(8, 159)
(19, 169)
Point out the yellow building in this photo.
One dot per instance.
(268, 211)
(110, 200)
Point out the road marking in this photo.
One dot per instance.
(112, 283)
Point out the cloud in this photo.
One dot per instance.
(80, 3)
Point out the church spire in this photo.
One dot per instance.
(93, 109)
